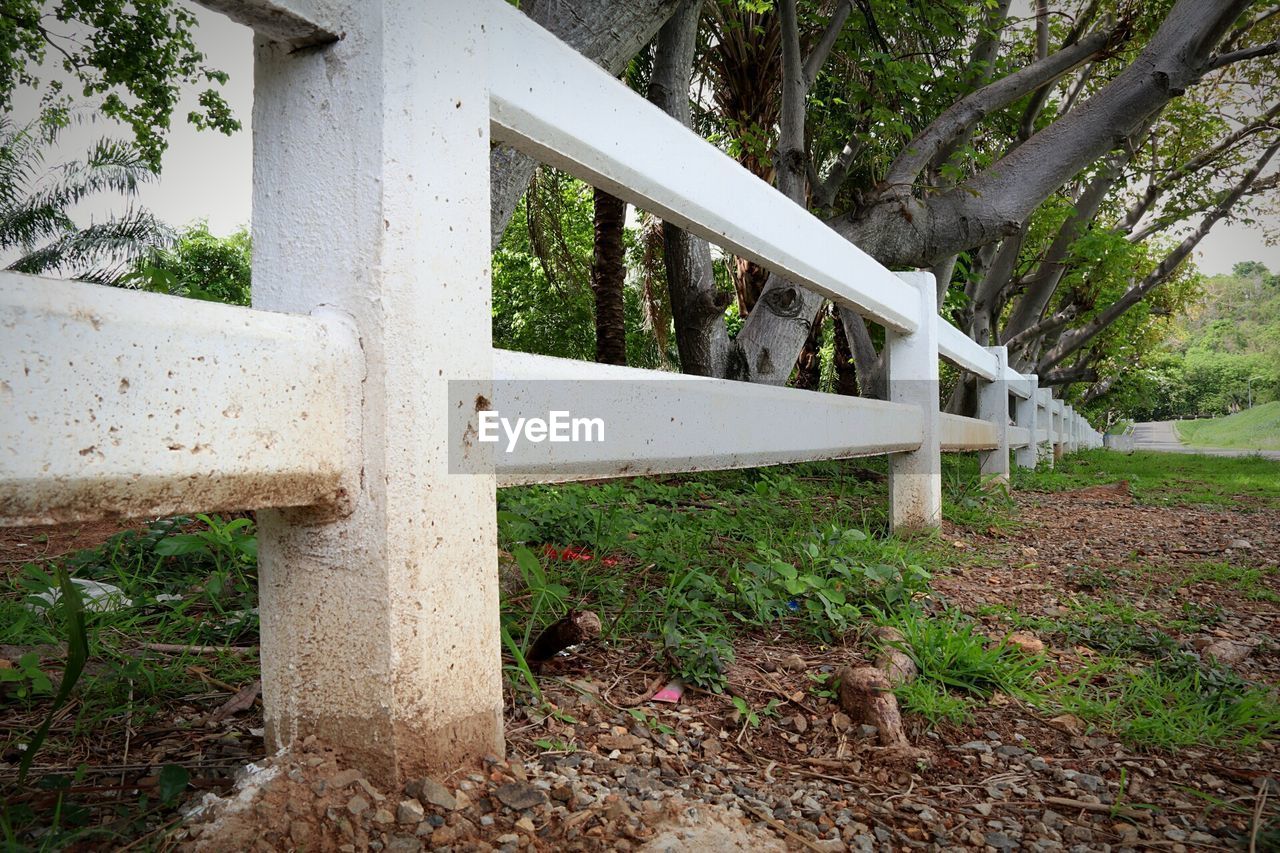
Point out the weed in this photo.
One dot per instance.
(948, 651)
(932, 701)
(1170, 705)
(1248, 581)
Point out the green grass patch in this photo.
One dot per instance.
(1252, 429)
(1163, 479)
(1247, 580)
(1171, 704)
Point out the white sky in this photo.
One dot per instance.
(208, 176)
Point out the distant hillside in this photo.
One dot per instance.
(1253, 429)
(1230, 337)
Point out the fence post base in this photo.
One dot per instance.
(915, 478)
(380, 630)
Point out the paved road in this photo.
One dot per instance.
(1159, 435)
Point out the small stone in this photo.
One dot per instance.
(525, 825)
(562, 793)
(1228, 651)
(509, 838)
(429, 792)
(357, 804)
(868, 731)
(344, 778)
(983, 809)
(1240, 545)
(520, 795)
(1000, 841)
(976, 746)
(800, 723)
(794, 663)
(1175, 834)
(841, 722)
(410, 811)
(1068, 723)
(383, 816)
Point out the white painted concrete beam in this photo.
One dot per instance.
(960, 433)
(631, 148)
(961, 350)
(297, 23)
(120, 404)
(656, 423)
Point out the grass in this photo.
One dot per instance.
(681, 566)
(1164, 479)
(1252, 429)
(1249, 581)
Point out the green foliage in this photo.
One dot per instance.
(1252, 429)
(542, 299)
(1227, 343)
(199, 265)
(35, 204)
(711, 554)
(132, 60)
(1171, 706)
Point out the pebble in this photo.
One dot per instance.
(410, 811)
(520, 795)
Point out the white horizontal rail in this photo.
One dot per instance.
(298, 23)
(657, 423)
(1019, 436)
(1019, 385)
(960, 433)
(115, 403)
(959, 349)
(554, 104)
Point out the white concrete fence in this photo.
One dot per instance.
(325, 406)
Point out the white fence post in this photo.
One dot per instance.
(1044, 421)
(380, 630)
(993, 407)
(915, 477)
(1026, 415)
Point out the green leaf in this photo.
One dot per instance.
(172, 782)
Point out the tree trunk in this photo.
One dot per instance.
(846, 371)
(809, 364)
(608, 276)
(697, 306)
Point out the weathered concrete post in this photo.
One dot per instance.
(380, 629)
(1044, 420)
(1059, 429)
(1025, 415)
(915, 478)
(993, 407)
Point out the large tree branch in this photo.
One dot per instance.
(1077, 338)
(818, 56)
(972, 108)
(1030, 306)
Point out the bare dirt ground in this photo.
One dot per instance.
(602, 769)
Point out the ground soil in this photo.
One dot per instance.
(610, 770)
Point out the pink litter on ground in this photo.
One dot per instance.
(671, 693)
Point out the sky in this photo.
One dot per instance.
(208, 176)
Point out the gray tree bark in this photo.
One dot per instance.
(697, 307)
